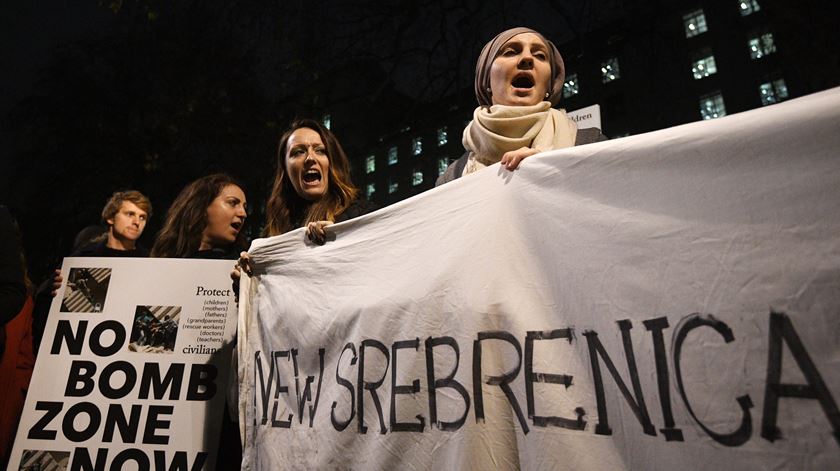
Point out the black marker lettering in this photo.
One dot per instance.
(307, 388)
(341, 425)
(362, 385)
(532, 377)
(689, 323)
(264, 387)
(446, 382)
(503, 381)
(782, 331)
(656, 326)
(637, 405)
(402, 389)
(279, 389)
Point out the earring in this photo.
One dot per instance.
(547, 95)
(487, 90)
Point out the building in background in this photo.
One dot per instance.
(659, 65)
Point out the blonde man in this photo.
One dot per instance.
(125, 214)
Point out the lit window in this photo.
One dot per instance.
(392, 155)
(773, 92)
(748, 7)
(703, 67)
(370, 164)
(609, 70)
(571, 87)
(393, 186)
(443, 163)
(417, 146)
(326, 121)
(711, 106)
(416, 177)
(781, 89)
(370, 190)
(442, 137)
(761, 46)
(695, 23)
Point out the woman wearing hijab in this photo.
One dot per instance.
(518, 79)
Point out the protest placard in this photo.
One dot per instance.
(133, 368)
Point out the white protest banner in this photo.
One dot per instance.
(133, 368)
(665, 301)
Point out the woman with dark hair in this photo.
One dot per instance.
(518, 79)
(312, 184)
(204, 221)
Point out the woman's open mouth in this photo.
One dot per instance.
(522, 81)
(312, 176)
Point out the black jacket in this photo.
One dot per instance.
(102, 250)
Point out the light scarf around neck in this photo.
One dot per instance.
(498, 129)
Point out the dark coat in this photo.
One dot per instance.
(357, 208)
(101, 249)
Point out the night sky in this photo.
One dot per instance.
(107, 95)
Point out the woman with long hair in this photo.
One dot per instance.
(518, 80)
(204, 221)
(312, 185)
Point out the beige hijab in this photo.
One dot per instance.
(496, 129)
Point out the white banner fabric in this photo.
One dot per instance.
(665, 301)
(133, 368)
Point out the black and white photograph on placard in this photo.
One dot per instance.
(43, 460)
(86, 290)
(155, 329)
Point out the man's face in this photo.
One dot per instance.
(128, 223)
